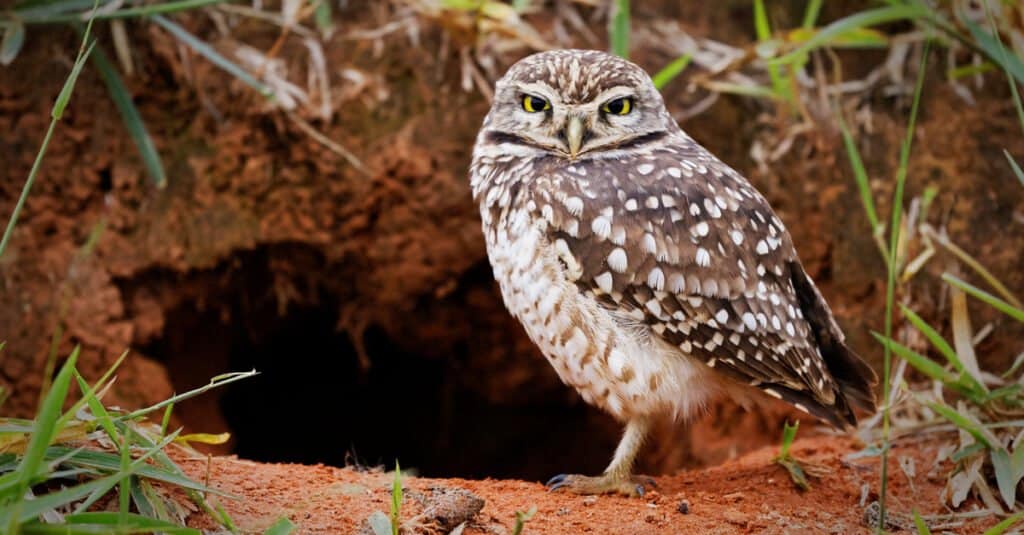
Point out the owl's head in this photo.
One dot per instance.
(576, 103)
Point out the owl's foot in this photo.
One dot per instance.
(609, 483)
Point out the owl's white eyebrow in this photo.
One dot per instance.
(539, 89)
(614, 93)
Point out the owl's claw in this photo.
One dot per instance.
(630, 486)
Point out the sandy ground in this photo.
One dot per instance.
(748, 495)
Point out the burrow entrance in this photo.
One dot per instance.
(275, 310)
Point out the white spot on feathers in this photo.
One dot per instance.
(656, 280)
(574, 205)
(602, 227)
(617, 259)
(703, 258)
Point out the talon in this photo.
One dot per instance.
(630, 486)
(557, 482)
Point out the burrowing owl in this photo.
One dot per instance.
(651, 275)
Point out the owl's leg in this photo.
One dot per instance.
(618, 478)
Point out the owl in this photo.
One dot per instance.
(652, 276)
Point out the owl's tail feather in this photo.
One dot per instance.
(838, 414)
(856, 380)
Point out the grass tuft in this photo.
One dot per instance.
(522, 517)
(787, 461)
(396, 500)
(57, 462)
(890, 287)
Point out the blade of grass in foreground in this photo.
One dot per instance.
(108, 522)
(890, 287)
(45, 428)
(215, 382)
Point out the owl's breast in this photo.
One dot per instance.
(615, 367)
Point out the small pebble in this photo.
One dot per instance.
(684, 507)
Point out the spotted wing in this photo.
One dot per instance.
(676, 240)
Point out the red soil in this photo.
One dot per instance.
(750, 494)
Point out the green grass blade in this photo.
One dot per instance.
(131, 118)
(68, 11)
(922, 527)
(143, 504)
(108, 522)
(31, 11)
(860, 174)
(756, 91)
(979, 433)
(37, 17)
(619, 29)
(31, 509)
(98, 386)
(212, 55)
(396, 500)
(323, 18)
(993, 48)
(284, 526)
(997, 303)
(218, 381)
(522, 518)
(920, 362)
(811, 14)
(983, 272)
(125, 485)
(788, 436)
(870, 17)
(166, 420)
(761, 26)
(109, 462)
(934, 337)
(97, 408)
(1016, 168)
(55, 114)
(45, 429)
(1006, 59)
(1007, 477)
(764, 36)
(890, 287)
(670, 71)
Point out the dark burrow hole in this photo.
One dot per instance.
(313, 403)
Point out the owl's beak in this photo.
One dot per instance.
(574, 134)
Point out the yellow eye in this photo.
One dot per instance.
(534, 104)
(619, 106)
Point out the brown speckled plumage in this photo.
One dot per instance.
(651, 275)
